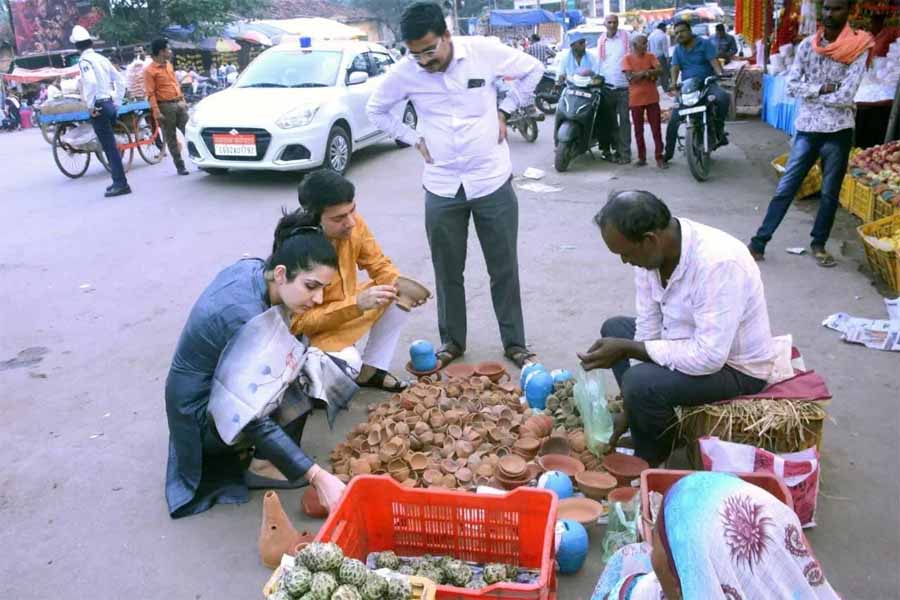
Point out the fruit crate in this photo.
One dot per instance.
(422, 588)
(883, 261)
(660, 480)
(862, 202)
(812, 184)
(846, 195)
(882, 209)
(377, 514)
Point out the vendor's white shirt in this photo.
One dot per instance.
(713, 311)
(457, 112)
(611, 66)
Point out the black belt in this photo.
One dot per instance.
(170, 101)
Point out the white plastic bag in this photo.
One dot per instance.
(590, 398)
(82, 137)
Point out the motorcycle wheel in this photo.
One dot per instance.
(698, 160)
(529, 130)
(544, 105)
(563, 156)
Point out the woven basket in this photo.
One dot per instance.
(884, 262)
(811, 185)
(862, 203)
(883, 209)
(722, 420)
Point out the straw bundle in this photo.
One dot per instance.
(774, 425)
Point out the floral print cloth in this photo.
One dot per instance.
(823, 113)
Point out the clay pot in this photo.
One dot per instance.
(493, 370)
(459, 370)
(512, 466)
(583, 510)
(526, 447)
(555, 444)
(560, 462)
(464, 476)
(277, 535)
(398, 469)
(623, 467)
(312, 506)
(622, 494)
(595, 484)
(449, 482)
(418, 461)
(432, 477)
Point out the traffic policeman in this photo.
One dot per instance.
(102, 86)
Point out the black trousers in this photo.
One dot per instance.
(652, 392)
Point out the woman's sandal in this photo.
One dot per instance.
(823, 258)
(519, 355)
(377, 381)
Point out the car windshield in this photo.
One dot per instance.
(292, 70)
(591, 38)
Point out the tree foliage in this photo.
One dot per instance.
(130, 21)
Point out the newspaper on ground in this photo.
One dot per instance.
(880, 334)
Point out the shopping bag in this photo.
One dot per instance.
(590, 399)
(798, 470)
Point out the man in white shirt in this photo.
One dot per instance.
(462, 138)
(102, 88)
(612, 48)
(658, 45)
(702, 329)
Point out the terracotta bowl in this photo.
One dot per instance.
(311, 505)
(510, 483)
(526, 447)
(595, 484)
(583, 510)
(410, 291)
(559, 462)
(622, 494)
(625, 468)
(459, 370)
(512, 466)
(493, 370)
(421, 374)
(556, 444)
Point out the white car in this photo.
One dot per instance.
(293, 108)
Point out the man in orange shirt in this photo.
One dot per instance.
(642, 70)
(166, 100)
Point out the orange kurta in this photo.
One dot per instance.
(338, 322)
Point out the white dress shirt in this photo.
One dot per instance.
(658, 43)
(611, 66)
(457, 111)
(100, 80)
(713, 311)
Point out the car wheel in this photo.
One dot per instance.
(337, 150)
(214, 170)
(410, 119)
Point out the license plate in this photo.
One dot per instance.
(690, 111)
(580, 94)
(242, 144)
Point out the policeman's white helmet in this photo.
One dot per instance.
(79, 34)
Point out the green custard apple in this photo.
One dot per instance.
(279, 595)
(346, 592)
(399, 588)
(375, 587)
(387, 560)
(494, 573)
(322, 586)
(430, 572)
(458, 573)
(512, 572)
(352, 572)
(332, 556)
(296, 581)
(311, 557)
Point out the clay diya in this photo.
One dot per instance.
(583, 510)
(418, 461)
(526, 447)
(556, 444)
(559, 462)
(459, 370)
(625, 468)
(595, 484)
(512, 466)
(493, 370)
(432, 477)
(398, 469)
(464, 476)
(410, 292)
(510, 483)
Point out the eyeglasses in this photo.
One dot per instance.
(418, 56)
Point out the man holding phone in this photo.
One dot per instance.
(462, 138)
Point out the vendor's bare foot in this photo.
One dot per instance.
(264, 468)
(374, 377)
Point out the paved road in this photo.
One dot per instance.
(102, 288)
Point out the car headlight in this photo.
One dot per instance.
(297, 117)
(690, 99)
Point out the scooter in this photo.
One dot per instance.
(697, 108)
(577, 118)
(547, 92)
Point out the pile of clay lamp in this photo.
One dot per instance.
(452, 435)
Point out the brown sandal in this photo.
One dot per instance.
(448, 354)
(520, 355)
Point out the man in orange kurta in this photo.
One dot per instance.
(350, 310)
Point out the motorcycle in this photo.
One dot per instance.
(577, 119)
(697, 108)
(523, 119)
(547, 92)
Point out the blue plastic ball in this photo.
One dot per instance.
(557, 482)
(538, 387)
(561, 375)
(573, 545)
(528, 370)
(422, 356)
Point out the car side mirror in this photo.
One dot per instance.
(357, 77)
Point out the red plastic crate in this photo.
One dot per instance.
(660, 480)
(377, 514)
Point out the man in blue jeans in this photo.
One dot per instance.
(826, 73)
(695, 57)
(101, 86)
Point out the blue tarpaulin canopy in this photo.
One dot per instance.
(518, 18)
